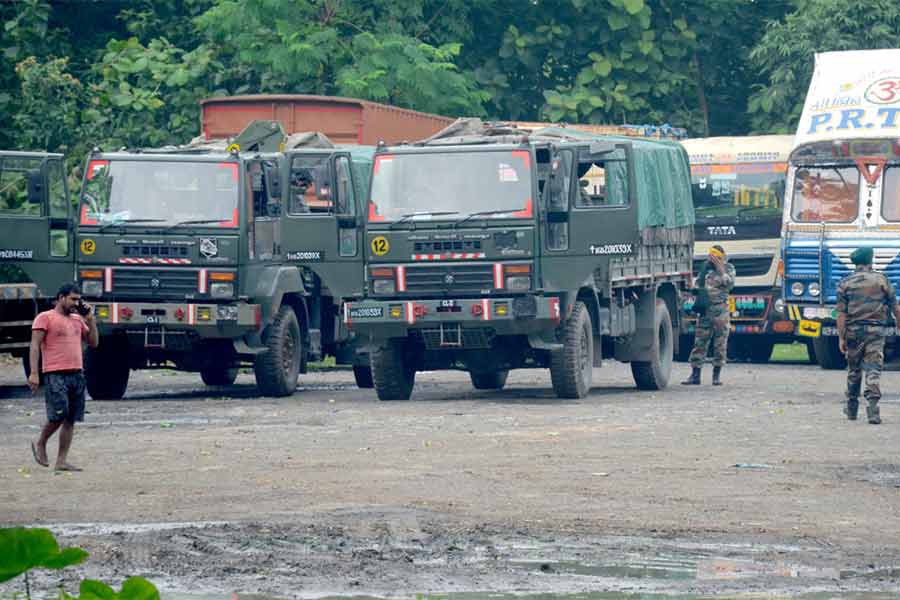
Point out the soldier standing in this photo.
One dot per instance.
(714, 325)
(864, 299)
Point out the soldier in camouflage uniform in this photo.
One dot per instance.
(865, 299)
(715, 324)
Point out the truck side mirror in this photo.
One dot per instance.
(273, 179)
(35, 186)
(557, 201)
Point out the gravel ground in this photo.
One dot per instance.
(760, 485)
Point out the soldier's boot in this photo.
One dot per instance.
(873, 413)
(717, 372)
(851, 409)
(694, 379)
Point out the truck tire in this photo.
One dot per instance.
(106, 369)
(218, 376)
(489, 380)
(811, 353)
(363, 376)
(654, 374)
(392, 374)
(571, 369)
(277, 368)
(828, 353)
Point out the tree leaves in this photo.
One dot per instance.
(24, 549)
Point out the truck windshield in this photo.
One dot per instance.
(160, 193)
(452, 182)
(828, 194)
(746, 194)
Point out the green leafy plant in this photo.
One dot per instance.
(24, 549)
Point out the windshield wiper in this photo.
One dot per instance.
(192, 222)
(121, 222)
(485, 213)
(423, 213)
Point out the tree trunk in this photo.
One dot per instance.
(701, 95)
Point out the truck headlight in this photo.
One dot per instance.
(518, 284)
(779, 306)
(797, 288)
(92, 287)
(813, 289)
(383, 286)
(226, 312)
(221, 290)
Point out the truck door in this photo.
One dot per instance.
(321, 229)
(591, 213)
(36, 221)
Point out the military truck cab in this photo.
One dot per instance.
(489, 249)
(201, 258)
(36, 254)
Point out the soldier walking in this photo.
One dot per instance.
(716, 280)
(864, 301)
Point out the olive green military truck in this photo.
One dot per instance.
(35, 244)
(490, 249)
(210, 256)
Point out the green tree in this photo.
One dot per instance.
(786, 52)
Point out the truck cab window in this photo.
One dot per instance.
(602, 184)
(14, 186)
(890, 203)
(310, 189)
(826, 194)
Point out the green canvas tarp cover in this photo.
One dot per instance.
(662, 173)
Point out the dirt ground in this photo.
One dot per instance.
(758, 486)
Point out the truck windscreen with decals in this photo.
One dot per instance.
(451, 185)
(738, 200)
(160, 193)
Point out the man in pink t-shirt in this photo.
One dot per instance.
(56, 336)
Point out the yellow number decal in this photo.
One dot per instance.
(88, 246)
(380, 245)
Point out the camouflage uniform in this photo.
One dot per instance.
(866, 298)
(715, 325)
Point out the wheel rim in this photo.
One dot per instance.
(584, 358)
(289, 358)
(665, 348)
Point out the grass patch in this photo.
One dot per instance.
(795, 352)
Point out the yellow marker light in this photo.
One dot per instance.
(203, 313)
(221, 276)
(91, 274)
(102, 312)
(396, 311)
(501, 309)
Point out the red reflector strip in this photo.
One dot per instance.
(401, 279)
(202, 281)
(449, 256)
(498, 276)
(107, 279)
(410, 312)
(115, 312)
(347, 313)
(554, 309)
(192, 314)
(486, 309)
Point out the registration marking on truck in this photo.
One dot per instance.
(610, 249)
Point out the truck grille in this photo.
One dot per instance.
(154, 283)
(449, 278)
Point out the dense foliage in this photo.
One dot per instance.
(79, 74)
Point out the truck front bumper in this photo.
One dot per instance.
(519, 315)
(203, 320)
(751, 314)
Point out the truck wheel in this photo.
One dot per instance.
(828, 353)
(654, 374)
(106, 370)
(685, 346)
(363, 376)
(571, 369)
(277, 368)
(393, 376)
(218, 376)
(489, 380)
(811, 353)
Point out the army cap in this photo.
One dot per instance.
(862, 256)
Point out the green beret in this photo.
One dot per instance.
(862, 256)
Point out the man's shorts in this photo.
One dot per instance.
(64, 395)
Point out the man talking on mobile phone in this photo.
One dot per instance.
(56, 338)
